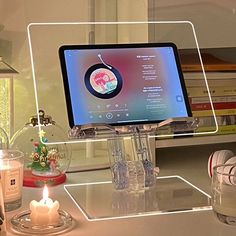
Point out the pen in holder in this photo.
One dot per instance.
(118, 164)
(143, 154)
(135, 171)
(127, 173)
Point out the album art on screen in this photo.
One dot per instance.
(123, 84)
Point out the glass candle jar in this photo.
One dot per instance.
(224, 193)
(11, 172)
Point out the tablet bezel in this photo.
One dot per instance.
(116, 46)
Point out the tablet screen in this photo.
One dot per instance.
(123, 84)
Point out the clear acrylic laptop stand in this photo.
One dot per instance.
(135, 189)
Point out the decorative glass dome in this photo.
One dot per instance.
(4, 141)
(44, 163)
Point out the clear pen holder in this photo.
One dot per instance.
(118, 163)
(133, 169)
(142, 152)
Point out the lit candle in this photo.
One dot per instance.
(44, 212)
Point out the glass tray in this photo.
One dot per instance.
(21, 223)
(171, 194)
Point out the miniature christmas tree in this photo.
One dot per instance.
(44, 160)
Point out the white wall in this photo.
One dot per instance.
(214, 21)
(15, 15)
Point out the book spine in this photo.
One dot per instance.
(217, 106)
(209, 68)
(210, 75)
(214, 91)
(221, 120)
(212, 82)
(220, 112)
(215, 99)
(224, 129)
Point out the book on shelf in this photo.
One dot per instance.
(215, 99)
(222, 129)
(221, 120)
(223, 99)
(220, 112)
(210, 82)
(214, 91)
(217, 106)
(214, 75)
(226, 124)
(212, 59)
(218, 63)
(225, 110)
(221, 102)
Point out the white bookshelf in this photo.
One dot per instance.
(197, 140)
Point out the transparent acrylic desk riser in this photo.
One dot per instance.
(171, 194)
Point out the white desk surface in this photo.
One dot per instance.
(189, 162)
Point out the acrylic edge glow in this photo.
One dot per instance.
(194, 209)
(117, 23)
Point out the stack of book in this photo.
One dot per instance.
(220, 70)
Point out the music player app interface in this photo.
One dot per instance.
(120, 85)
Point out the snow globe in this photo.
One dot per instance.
(44, 163)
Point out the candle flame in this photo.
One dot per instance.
(45, 193)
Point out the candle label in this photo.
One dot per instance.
(12, 184)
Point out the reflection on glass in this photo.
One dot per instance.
(126, 203)
(170, 194)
